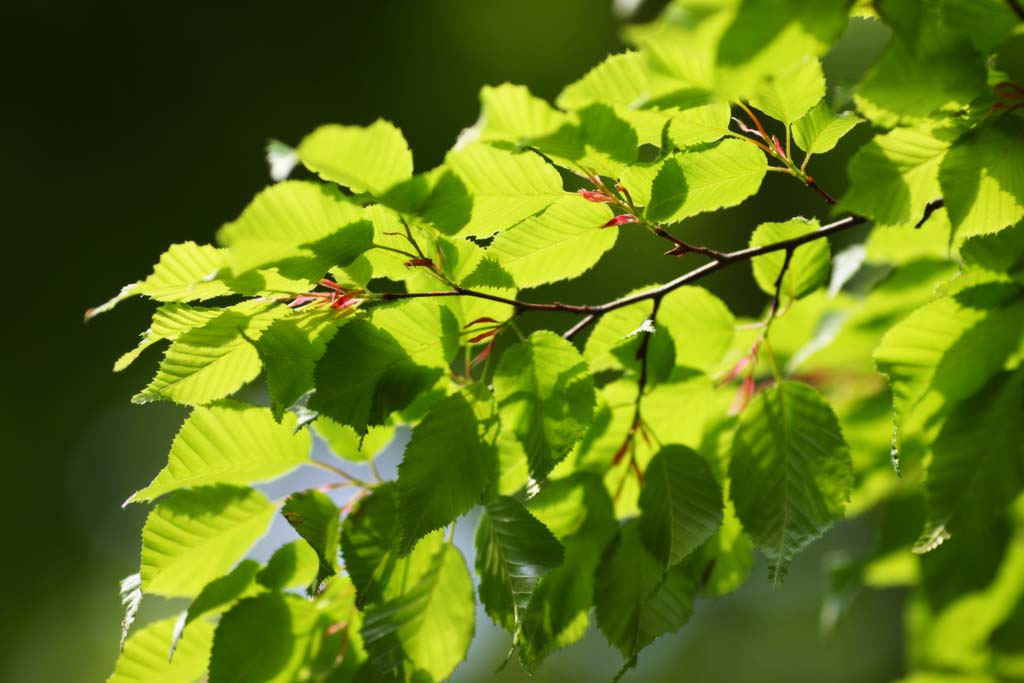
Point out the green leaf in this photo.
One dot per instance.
(986, 22)
(690, 183)
(218, 596)
(513, 551)
(264, 639)
(293, 565)
(510, 112)
(315, 517)
(699, 125)
(562, 243)
(949, 348)
(487, 190)
(699, 324)
(213, 361)
(290, 350)
(680, 504)
(982, 179)
(169, 322)
(365, 375)
(365, 159)
(791, 472)
(808, 267)
(619, 79)
(1001, 252)
(790, 93)
(286, 216)
(196, 535)
(346, 444)
(183, 274)
(819, 130)
(636, 600)
(894, 176)
(425, 632)
(229, 443)
(444, 471)
(144, 659)
(546, 398)
(426, 330)
(977, 465)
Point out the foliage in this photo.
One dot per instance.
(623, 479)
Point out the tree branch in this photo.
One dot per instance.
(1017, 8)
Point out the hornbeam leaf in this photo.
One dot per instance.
(218, 596)
(986, 22)
(636, 600)
(210, 362)
(546, 398)
(184, 274)
(315, 517)
(699, 125)
(265, 639)
(819, 130)
(144, 659)
(808, 267)
(619, 79)
(444, 471)
(370, 159)
(690, 183)
(425, 632)
(982, 179)
(169, 322)
(791, 472)
(977, 465)
(792, 92)
(293, 565)
(894, 176)
(195, 535)
(513, 551)
(229, 443)
(510, 112)
(562, 243)
(680, 504)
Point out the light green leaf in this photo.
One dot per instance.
(894, 176)
(426, 330)
(184, 273)
(790, 470)
(424, 633)
(680, 504)
(513, 551)
(982, 179)
(444, 471)
(215, 360)
(195, 535)
(619, 79)
(790, 93)
(694, 182)
(977, 465)
(315, 517)
(510, 112)
(144, 659)
(218, 596)
(562, 243)
(699, 125)
(808, 267)
(487, 190)
(293, 565)
(986, 22)
(169, 322)
(819, 130)
(265, 639)
(636, 600)
(229, 443)
(546, 398)
(348, 445)
(365, 159)
(1001, 252)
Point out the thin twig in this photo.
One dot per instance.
(1017, 8)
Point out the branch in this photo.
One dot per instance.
(1017, 8)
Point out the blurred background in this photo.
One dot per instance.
(128, 126)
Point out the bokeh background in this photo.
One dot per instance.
(128, 126)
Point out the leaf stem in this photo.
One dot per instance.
(341, 473)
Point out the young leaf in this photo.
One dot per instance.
(369, 159)
(144, 659)
(169, 322)
(266, 638)
(444, 471)
(619, 79)
(293, 565)
(562, 243)
(425, 631)
(315, 517)
(195, 535)
(546, 398)
(228, 443)
(636, 600)
(791, 472)
(184, 274)
(510, 112)
(982, 179)
(808, 267)
(346, 444)
(792, 92)
(699, 125)
(819, 130)
(218, 596)
(680, 504)
(694, 182)
(514, 550)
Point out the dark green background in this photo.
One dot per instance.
(128, 126)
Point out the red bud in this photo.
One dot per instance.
(419, 262)
(482, 336)
(594, 196)
(480, 320)
(621, 219)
